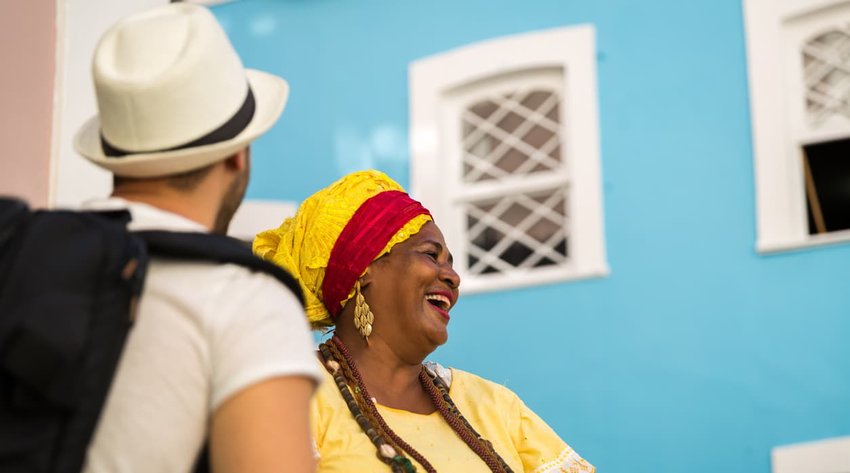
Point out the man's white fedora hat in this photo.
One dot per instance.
(173, 95)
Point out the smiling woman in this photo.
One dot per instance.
(372, 263)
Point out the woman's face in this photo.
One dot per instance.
(411, 291)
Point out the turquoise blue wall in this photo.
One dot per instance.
(696, 354)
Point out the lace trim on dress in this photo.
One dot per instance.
(567, 462)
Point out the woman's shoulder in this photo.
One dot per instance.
(467, 384)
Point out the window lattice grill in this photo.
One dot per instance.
(511, 134)
(826, 63)
(518, 231)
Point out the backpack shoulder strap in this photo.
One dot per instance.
(13, 212)
(211, 247)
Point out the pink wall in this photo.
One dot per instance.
(28, 57)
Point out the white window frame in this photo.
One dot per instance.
(436, 168)
(821, 456)
(778, 130)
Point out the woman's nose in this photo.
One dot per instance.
(450, 276)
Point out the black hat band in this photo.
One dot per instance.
(230, 129)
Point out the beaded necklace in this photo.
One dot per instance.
(390, 447)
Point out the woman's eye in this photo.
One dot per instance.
(432, 254)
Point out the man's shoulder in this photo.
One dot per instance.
(198, 272)
(216, 286)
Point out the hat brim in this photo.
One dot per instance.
(270, 93)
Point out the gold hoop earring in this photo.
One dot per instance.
(363, 316)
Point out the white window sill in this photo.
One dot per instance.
(824, 456)
(533, 277)
(808, 241)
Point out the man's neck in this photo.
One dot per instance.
(190, 205)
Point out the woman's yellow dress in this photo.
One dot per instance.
(523, 440)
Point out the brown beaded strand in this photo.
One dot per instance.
(439, 394)
(450, 413)
(343, 351)
(398, 464)
(368, 407)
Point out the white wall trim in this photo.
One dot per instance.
(80, 24)
(255, 216)
(58, 100)
(209, 3)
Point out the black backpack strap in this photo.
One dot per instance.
(211, 247)
(13, 212)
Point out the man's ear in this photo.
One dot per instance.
(238, 161)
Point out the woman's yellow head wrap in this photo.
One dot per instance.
(372, 214)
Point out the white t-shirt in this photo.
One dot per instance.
(204, 331)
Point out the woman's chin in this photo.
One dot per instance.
(441, 338)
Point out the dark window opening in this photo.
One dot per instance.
(827, 172)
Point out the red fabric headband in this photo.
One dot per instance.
(362, 239)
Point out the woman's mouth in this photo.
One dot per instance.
(440, 302)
